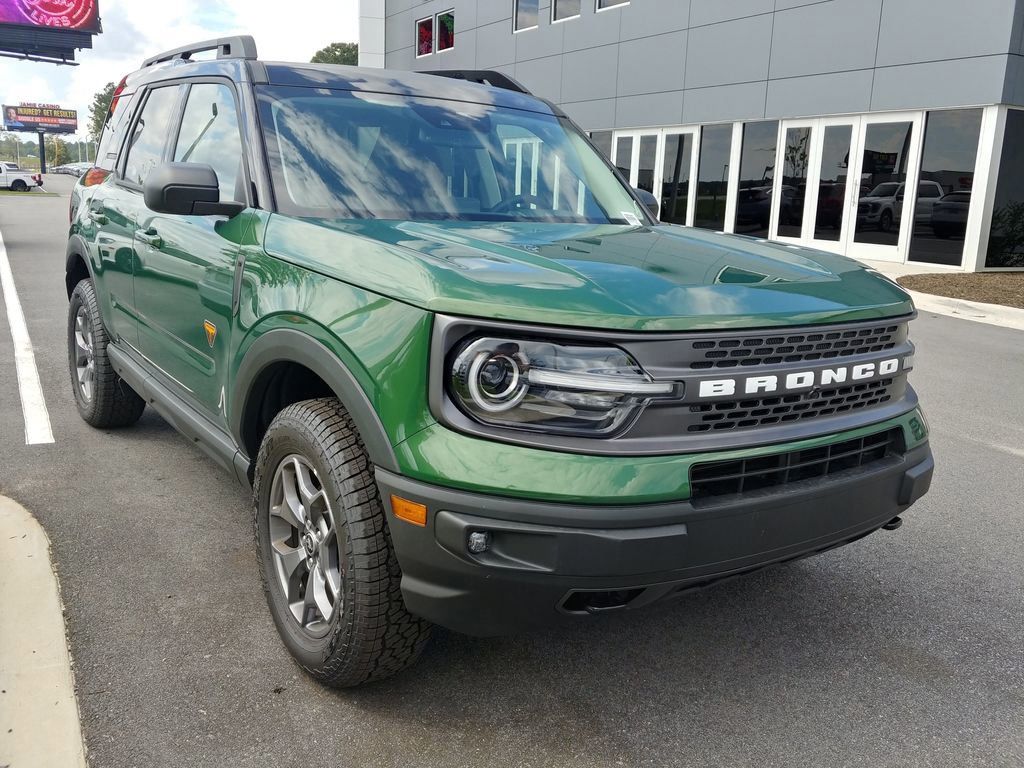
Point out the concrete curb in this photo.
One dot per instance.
(993, 314)
(38, 709)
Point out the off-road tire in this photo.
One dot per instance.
(373, 636)
(19, 185)
(113, 403)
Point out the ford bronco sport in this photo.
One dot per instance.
(470, 378)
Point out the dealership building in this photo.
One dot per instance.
(880, 129)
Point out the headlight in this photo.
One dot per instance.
(553, 388)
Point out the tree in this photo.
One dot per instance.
(338, 53)
(98, 110)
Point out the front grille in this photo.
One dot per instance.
(746, 351)
(728, 478)
(744, 414)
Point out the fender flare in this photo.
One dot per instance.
(285, 345)
(77, 249)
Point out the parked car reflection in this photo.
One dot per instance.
(949, 215)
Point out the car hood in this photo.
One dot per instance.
(627, 278)
(877, 199)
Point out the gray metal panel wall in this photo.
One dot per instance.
(662, 62)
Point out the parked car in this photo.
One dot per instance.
(949, 214)
(17, 180)
(462, 397)
(883, 206)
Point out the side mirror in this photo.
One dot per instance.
(649, 200)
(187, 189)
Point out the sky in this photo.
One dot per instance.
(136, 29)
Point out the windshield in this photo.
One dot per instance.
(352, 155)
(885, 190)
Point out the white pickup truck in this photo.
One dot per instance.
(17, 180)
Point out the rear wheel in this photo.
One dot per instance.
(329, 569)
(19, 185)
(103, 398)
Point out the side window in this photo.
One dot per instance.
(145, 150)
(209, 134)
(113, 131)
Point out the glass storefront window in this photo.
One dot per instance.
(793, 192)
(624, 156)
(835, 161)
(757, 170)
(880, 206)
(1006, 238)
(675, 184)
(713, 176)
(944, 186)
(648, 163)
(603, 141)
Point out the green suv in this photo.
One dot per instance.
(470, 378)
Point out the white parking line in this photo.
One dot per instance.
(33, 405)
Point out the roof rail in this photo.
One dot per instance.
(238, 47)
(483, 77)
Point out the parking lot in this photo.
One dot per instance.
(904, 649)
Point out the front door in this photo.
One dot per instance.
(635, 154)
(185, 278)
(886, 157)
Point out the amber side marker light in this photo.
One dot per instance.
(94, 176)
(409, 511)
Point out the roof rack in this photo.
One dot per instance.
(238, 47)
(483, 77)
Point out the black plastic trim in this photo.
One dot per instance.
(289, 346)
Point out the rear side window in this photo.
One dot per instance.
(146, 147)
(113, 132)
(209, 134)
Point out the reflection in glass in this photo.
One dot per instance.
(757, 170)
(209, 135)
(835, 161)
(565, 9)
(675, 185)
(147, 142)
(446, 31)
(602, 4)
(713, 176)
(648, 162)
(880, 208)
(624, 156)
(526, 14)
(792, 194)
(1006, 238)
(425, 37)
(603, 141)
(944, 190)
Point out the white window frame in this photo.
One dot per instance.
(433, 37)
(515, 16)
(567, 18)
(599, 9)
(437, 28)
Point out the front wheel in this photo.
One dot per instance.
(332, 581)
(103, 398)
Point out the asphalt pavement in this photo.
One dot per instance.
(904, 649)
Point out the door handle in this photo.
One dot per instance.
(151, 237)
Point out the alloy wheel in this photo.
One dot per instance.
(304, 545)
(85, 360)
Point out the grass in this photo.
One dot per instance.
(1006, 288)
(30, 193)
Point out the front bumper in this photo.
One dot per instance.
(551, 561)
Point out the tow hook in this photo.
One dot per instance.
(893, 524)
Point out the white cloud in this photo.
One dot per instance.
(135, 29)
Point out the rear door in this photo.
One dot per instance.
(185, 277)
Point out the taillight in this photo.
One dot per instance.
(94, 176)
(116, 95)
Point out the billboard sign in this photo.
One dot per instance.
(39, 118)
(79, 15)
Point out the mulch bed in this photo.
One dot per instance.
(1006, 288)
